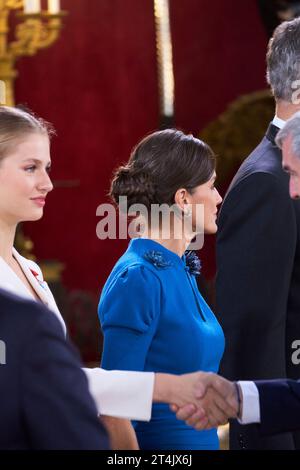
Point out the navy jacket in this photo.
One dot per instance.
(258, 279)
(44, 399)
(279, 406)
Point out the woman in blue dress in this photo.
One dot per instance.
(152, 314)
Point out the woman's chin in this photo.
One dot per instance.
(211, 229)
(37, 215)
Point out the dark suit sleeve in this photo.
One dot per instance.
(279, 406)
(58, 412)
(255, 254)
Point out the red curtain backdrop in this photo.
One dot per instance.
(98, 85)
(219, 54)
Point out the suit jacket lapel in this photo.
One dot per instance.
(272, 133)
(39, 285)
(11, 282)
(31, 278)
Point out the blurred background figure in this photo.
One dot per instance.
(275, 11)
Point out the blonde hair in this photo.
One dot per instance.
(16, 122)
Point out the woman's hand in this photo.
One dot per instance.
(121, 433)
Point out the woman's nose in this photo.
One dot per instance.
(46, 184)
(219, 198)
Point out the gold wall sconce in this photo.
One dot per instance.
(37, 29)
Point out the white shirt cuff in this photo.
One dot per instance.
(122, 394)
(251, 408)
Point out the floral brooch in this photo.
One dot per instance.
(41, 283)
(157, 259)
(192, 262)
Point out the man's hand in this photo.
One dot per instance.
(216, 402)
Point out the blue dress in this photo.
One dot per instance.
(153, 318)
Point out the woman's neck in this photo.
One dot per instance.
(7, 237)
(174, 237)
(177, 246)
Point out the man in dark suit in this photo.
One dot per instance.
(44, 399)
(274, 405)
(258, 253)
(279, 400)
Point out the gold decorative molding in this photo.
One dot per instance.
(37, 30)
(34, 34)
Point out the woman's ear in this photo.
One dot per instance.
(181, 198)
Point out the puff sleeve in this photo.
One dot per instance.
(129, 311)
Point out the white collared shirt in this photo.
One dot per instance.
(278, 122)
(251, 407)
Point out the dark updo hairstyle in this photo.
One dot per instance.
(159, 165)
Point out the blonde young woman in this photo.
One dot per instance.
(24, 186)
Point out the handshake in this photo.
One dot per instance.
(203, 400)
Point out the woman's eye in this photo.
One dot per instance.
(48, 169)
(30, 169)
